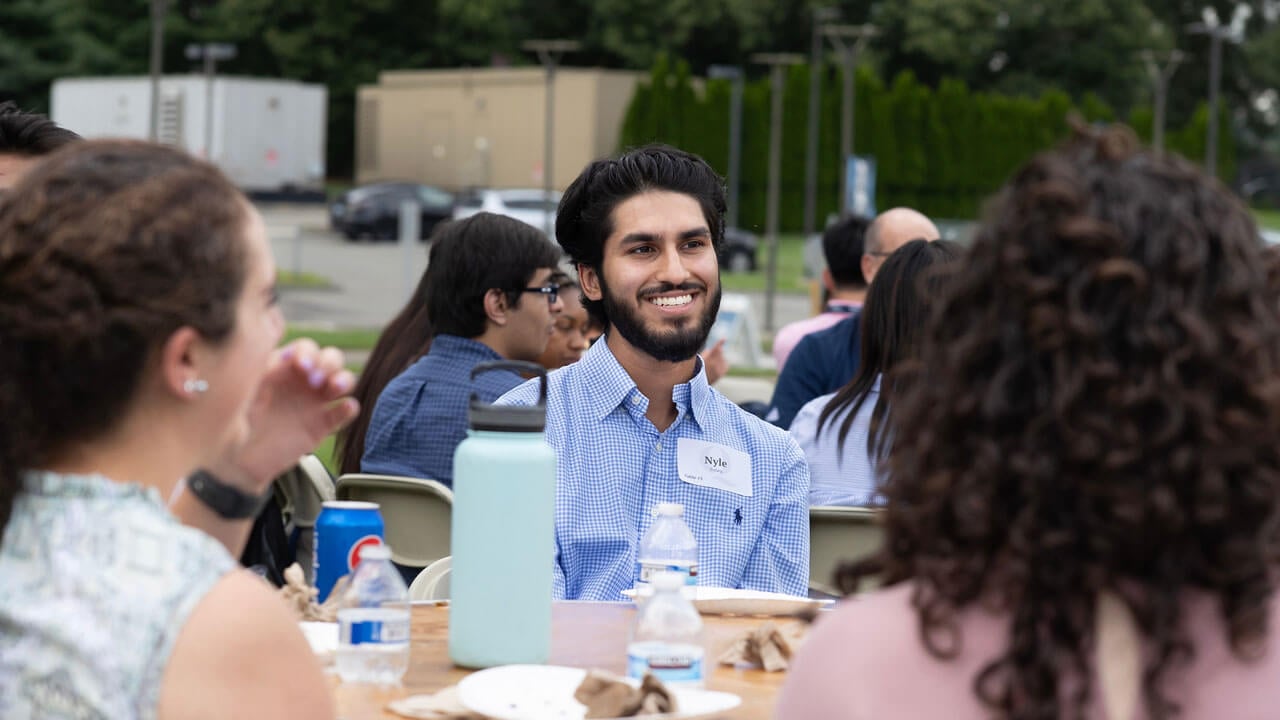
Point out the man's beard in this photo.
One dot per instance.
(670, 345)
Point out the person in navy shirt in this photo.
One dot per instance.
(635, 423)
(824, 361)
(489, 296)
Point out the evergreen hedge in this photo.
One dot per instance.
(940, 150)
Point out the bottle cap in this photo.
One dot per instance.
(669, 508)
(376, 551)
(510, 418)
(667, 580)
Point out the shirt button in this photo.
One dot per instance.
(635, 399)
(657, 448)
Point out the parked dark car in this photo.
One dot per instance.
(373, 211)
(739, 253)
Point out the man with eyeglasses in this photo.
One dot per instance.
(822, 362)
(490, 296)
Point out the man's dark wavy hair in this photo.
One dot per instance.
(31, 134)
(585, 217)
(1102, 413)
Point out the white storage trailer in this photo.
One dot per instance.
(266, 135)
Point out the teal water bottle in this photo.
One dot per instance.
(504, 495)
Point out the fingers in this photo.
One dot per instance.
(340, 413)
(322, 367)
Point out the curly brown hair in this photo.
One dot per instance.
(1101, 415)
(106, 248)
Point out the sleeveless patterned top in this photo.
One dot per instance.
(97, 579)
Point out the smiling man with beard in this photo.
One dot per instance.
(635, 423)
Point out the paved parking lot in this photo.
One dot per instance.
(371, 281)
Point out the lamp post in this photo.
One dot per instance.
(821, 16)
(158, 10)
(733, 73)
(549, 53)
(849, 40)
(1160, 74)
(777, 63)
(211, 53)
(1217, 32)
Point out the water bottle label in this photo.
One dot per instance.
(674, 665)
(378, 631)
(690, 572)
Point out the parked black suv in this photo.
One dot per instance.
(373, 211)
(739, 252)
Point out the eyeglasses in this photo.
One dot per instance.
(552, 292)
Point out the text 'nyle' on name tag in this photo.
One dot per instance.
(713, 465)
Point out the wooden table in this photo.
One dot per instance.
(583, 634)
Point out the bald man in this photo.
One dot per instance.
(822, 362)
(24, 138)
(891, 230)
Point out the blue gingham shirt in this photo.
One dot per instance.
(421, 415)
(836, 478)
(614, 467)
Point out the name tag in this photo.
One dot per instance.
(714, 466)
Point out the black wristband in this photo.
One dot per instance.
(228, 502)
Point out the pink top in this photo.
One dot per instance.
(865, 661)
(789, 335)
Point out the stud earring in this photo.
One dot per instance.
(195, 386)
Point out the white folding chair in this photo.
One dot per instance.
(416, 513)
(837, 534)
(433, 582)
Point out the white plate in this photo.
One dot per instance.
(729, 601)
(323, 637)
(545, 692)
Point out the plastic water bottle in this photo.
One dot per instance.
(667, 637)
(668, 546)
(503, 533)
(373, 623)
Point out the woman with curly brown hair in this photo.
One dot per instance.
(138, 332)
(1083, 499)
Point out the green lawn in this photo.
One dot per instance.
(790, 268)
(347, 338)
(1268, 219)
(325, 453)
(291, 279)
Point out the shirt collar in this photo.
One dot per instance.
(458, 346)
(611, 386)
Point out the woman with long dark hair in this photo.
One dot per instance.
(405, 339)
(893, 317)
(1083, 484)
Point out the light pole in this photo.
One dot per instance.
(549, 54)
(734, 74)
(777, 63)
(1160, 74)
(211, 53)
(821, 16)
(158, 10)
(1217, 32)
(849, 40)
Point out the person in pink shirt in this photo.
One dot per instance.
(842, 246)
(1083, 494)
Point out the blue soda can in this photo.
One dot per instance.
(344, 526)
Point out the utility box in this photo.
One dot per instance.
(266, 135)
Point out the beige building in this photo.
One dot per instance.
(484, 126)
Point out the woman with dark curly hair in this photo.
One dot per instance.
(1082, 498)
(138, 333)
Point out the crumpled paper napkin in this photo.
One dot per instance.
(768, 646)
